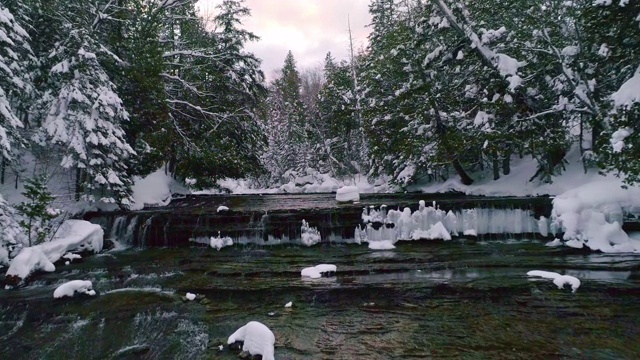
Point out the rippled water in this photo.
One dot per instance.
(459, 299)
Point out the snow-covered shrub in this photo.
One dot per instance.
(37, 213)
(11, 234)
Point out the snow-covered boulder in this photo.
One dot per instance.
(72, 236)
(222, 208)
(72, 287)
(257, 338)
(315, 272)
(348, 193)
(591, 216)
(559, 280)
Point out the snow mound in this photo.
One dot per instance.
(315, 272)
(258, 339)
(152, 190)
(28, 261)
(310, 235)
(348, 193)
(592, 215)
(72, 287)
(222, 208)
(381, 245)
(559, 280)
(72, 236)
(289, 304)
(190, 296)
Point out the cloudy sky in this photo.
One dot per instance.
(309, 28)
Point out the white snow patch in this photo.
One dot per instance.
(289, 304)
(629, 92)
(258, 339)
(381, 245)
(315, 272)
(617, 138)
(559, 280)
(72, 287)
(190, 296)
(151, 190)
(222, 208)
(348, 193)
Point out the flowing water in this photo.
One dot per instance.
(425, 299)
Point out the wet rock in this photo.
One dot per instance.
(200, 297)
(236, 346)
(108, 244)
(205, 301)
(12, 280)
(132, 351)
(244, 355)
(185, 262)
(184, 299)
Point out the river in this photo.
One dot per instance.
(463, 298)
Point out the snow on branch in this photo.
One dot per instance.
(629, 92)
(504, 64)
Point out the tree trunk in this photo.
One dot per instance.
(78, 189)
(464, 177)
(3, 167)
(506, 164)
(496, 166)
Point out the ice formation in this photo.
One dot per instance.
(310, 235)
(72, 287)
(559, 280)
(430, 222)
(218, 242)
(258, 339)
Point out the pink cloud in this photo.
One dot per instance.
(308, 28)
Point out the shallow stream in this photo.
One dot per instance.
(430, 299)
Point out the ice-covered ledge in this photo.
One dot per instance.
(72, 236)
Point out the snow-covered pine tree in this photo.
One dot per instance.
(15, 82)
(84, 112)
(11, 234)
(289, 151)
(337, 106)
(213, 91)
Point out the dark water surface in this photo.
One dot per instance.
(458, 299)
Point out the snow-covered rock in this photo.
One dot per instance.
(559, 280)
(289, 304)
(591, 216)
(257, 338)
(315, 272)
(190, 296)
(72, 236)
(222, 208)
(72, 287)
(348, 193)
